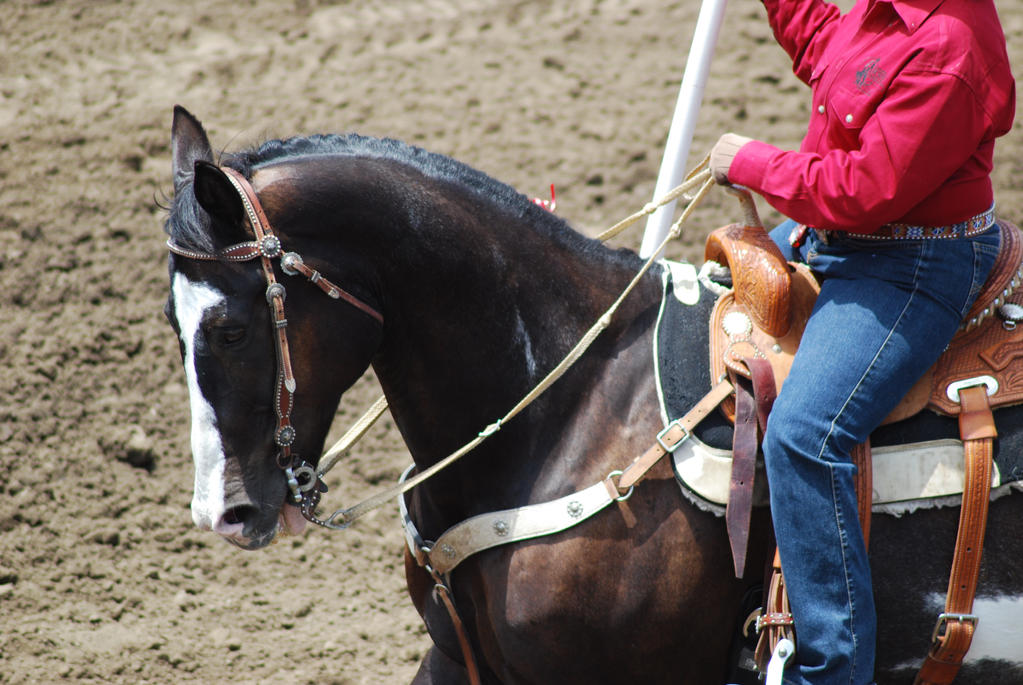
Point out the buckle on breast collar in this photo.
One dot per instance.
(670, 449)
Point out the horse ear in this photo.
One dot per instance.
(218, 196)
(189, 144)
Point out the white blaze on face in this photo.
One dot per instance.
(191, 302)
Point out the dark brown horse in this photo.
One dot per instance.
(479, 294)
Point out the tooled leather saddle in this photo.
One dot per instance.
(755, 330)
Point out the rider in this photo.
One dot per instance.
(892, 179)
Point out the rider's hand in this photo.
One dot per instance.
(722, 154)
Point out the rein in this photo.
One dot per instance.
(304, 482)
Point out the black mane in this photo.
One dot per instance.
(188, 225)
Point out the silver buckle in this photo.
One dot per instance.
(944, 618)
(990, 382)
(670, 449)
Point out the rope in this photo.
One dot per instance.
(694, 178)
(352, 436)
(699, 178)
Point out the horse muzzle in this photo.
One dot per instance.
(245, 526)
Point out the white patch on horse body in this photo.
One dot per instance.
(522, 337)
(999, 632)
(191, 302)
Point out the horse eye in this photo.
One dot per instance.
(230, 336)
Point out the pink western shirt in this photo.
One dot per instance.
(908, 98)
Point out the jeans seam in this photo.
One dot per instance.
(843, 539)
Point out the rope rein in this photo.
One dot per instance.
(699, 179)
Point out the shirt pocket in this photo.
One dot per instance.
(817, 76)
(849, 110)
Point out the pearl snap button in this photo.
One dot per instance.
(848, 118)
(820, 108)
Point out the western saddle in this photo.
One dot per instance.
(755, 330)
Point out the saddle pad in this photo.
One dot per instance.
(906, 477)
(924, 472)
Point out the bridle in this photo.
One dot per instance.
(305, 484)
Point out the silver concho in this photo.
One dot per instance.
(270, 246)
(736, 324)
(276, 290)
(575, 509)
(501, 528)
(289, 263)
(285, 436)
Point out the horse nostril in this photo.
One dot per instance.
(233, 521)
(238, 515)
(231, 517)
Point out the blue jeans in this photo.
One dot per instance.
(886, 311)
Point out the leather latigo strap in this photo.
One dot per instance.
(753, 401)
(744, 461)
(954, 629)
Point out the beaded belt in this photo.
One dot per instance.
(963, 229)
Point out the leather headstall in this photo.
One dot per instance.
(305, 486)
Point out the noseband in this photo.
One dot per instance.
(305, 485)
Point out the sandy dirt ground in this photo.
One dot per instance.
(102, 575)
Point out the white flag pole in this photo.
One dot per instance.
(680, 135)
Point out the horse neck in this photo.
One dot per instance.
(481, 303)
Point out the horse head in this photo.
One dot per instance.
(241, 393)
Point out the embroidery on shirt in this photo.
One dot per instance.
(869, 76)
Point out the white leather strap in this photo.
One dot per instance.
(502, 527)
